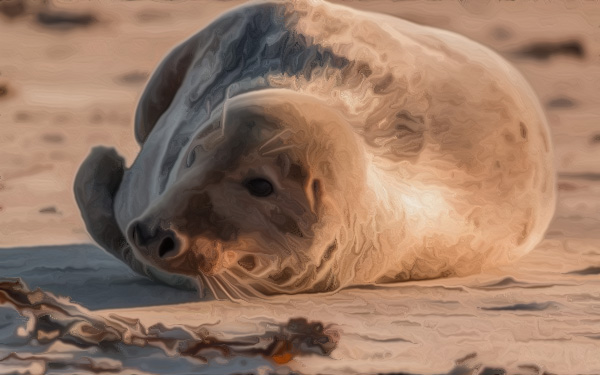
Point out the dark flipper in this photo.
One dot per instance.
(161, 89)
(96, 185)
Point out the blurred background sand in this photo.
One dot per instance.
(71, 73)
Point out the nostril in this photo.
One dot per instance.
(166, 246)
(154, 241)
(137, 235)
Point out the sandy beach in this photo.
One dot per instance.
(71, 73)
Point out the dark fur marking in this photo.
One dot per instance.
(286, 224)
(383, 84)
(247, 262)
(283, 276)
(523, 130)
(327, 255)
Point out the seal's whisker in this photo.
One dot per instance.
(276, 150)
(200, 286)
(219, 289)
(264, 148)
(233, 289)
(236, 284)
(210, 285)
(230, 294)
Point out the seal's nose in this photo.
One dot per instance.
(155, 242)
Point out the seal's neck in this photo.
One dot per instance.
(397, 210)
(372, 220)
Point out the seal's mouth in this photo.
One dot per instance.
(156, 244)
(176, 254)
(204, 257)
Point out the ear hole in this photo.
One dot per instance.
(316, 186)
(316, 194)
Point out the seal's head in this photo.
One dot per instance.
(256, 201)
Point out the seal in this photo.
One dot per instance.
(304, 147)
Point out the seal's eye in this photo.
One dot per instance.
(259, 187)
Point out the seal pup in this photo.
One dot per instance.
(303, 147)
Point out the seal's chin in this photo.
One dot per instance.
(199, 257)
(172, 252)
(227, 284)
(235, 274)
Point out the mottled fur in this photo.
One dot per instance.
(396, 152)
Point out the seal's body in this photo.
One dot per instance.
(304, 146)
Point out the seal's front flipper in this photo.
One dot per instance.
(96, 185)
